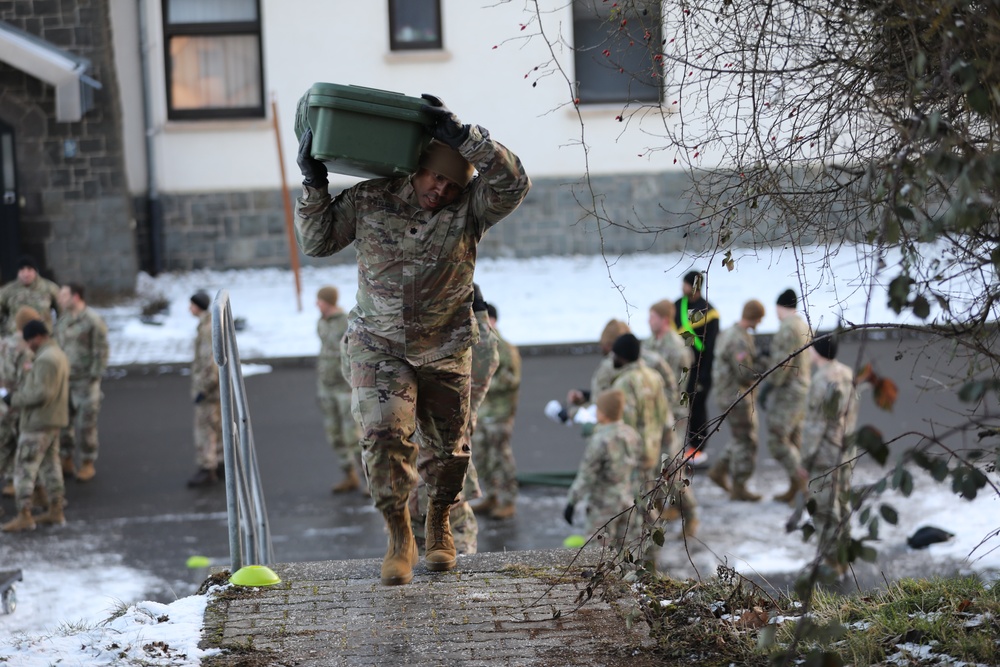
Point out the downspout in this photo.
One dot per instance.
(154, 208)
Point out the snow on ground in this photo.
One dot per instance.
(540, 300)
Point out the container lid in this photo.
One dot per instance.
(365, 94)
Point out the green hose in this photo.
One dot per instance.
(557, 478)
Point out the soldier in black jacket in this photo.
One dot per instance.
(698, 322)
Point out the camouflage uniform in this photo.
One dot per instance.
(15, 362)
(606, 479)
(464, 527)
(831, 415)
(788, 387)
(42, 295)
(491, 439)
(733, 372)
(83, 337)
(208, 411)
(412, 328)
(679, 357)
(43, 400)
(334, 392)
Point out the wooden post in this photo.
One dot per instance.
(293, 247)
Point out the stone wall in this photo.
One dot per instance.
(241, 230)
(76, 216)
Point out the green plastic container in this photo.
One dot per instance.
(361, 131)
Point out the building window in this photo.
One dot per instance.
(616, 49)
(415, 24)
(213, 56)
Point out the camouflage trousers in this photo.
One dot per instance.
(784, 427)
(37, 462)
(208, 434)
(341, 430)
(84, 406)
(741, 451)
(832, 493)
(495, 459)
(390, 400)
(8, 442)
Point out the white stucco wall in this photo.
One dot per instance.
(345, 41)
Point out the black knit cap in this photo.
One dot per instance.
(826, 347)
(33, 329)
(691, 276)
(201, 300)
(788, 299)
(26, 261)
(627, 347)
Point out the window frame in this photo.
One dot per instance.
(216, 29)
(625, 94)
(397, 46)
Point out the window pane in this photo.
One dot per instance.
(212, 11)
(615, 63)
(415, 23)
(215, 72)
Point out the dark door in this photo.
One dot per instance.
(10, 243)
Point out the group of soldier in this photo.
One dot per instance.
(491, 486)
(631, 415)
(53, 354)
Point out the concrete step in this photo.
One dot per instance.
(517, 608)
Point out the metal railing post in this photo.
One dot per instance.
(249, 534)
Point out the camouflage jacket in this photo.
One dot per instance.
(673, 349)
(501, 397)
(84, 338)
(15, 362)
(793, 334)
(606, 476)
(204, 372)
(831, 414)
(646, 407)
(734, 368)
(43, 398)
(485, 360)
(415, 267)
(606, 374)
(328, 364)
(42, 295)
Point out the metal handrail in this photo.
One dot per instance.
(249, 534)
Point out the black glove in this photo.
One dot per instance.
(446, 127)
(7, 398)
(199, 398)
(568, 513)
(313, 171)
(478, 302)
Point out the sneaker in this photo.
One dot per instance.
(696, 458)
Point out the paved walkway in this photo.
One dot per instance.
(493, 609)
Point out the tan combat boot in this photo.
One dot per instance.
(38, 497)
(69, 468)
(440, 552)
(741, 492)
(53, 516)
(503, 511)
(350, 482)
(8, 490)
(402, 554)
(689, 528)
(719, 473)
(796, 485)
(484, 505)
(86, 472)
(23, 521)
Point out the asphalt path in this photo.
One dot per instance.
(140, 508)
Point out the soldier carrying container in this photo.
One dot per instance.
(412, 330)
